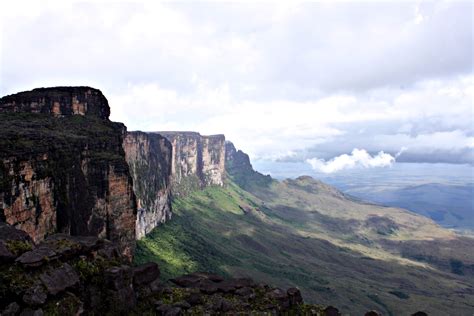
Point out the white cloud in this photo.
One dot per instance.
(358, 158)
(370, 75)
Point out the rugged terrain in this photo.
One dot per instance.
(62, 166)
(73, 275)
(337, 250)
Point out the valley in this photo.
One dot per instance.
(339, 251)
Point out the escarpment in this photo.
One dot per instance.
(63, 168)
(166, 164)
(198, 161)
(149, 157)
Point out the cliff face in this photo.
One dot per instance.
(62, 166)
(239, 168)
(58, 101)
(198, 161)
(149, 158)
(164, 164)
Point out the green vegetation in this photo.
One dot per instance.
(304, 233)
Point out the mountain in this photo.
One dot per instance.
(69, 182)
(62, 166)
(336, 249)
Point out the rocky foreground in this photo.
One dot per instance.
(71, 275)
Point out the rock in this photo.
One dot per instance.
(37, 257)
(182, 305)
(121, 293)
(331, 311)
(70, 304)
(145, 273)
(419, 313)
(8, 232)
(58, 280)
(222, 305)
(30, 312)
(168, 310)
(11, 310)
(156, 286)
(189, 280)
(209, 276)
(118, 277)
(35, 296)
(149, 158)
(208, 287)
(195, 299)
(245, 291)
(277, 294)
(295, 297)
(70, 177)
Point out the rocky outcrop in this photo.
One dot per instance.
(149, 158)
(58, 101)
(89, 276)
(239, 168)
(198, 161)
(63, 168)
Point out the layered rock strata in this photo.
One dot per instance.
(149, 158)
(198, 161)
(63, 168)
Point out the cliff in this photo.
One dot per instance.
(198, 161)
(62, 166)
(149, 158)
(240, 170)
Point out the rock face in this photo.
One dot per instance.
(198, 161)
(166, 164)
(239, 168)
(58, 101)
(149, 158)
(63, 168)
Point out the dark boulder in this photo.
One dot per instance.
(295, 297)
(331, 311)
(37, 257)
(145, 273)
(35, 295)
(195, 299)
(59, 279)
(11, 310)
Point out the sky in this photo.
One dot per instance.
(337, 84)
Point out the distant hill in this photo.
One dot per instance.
(448, 205)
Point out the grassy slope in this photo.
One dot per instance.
(306, 234)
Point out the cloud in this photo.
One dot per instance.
(357, 158)
(372, 75)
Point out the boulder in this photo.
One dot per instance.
(195, 299)
(118, 277)
(331, 311)
(295, 297)
(35, 295)
(37, 257)
(60, 279)
(145, 274)
(11, 310)
(31, 312)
